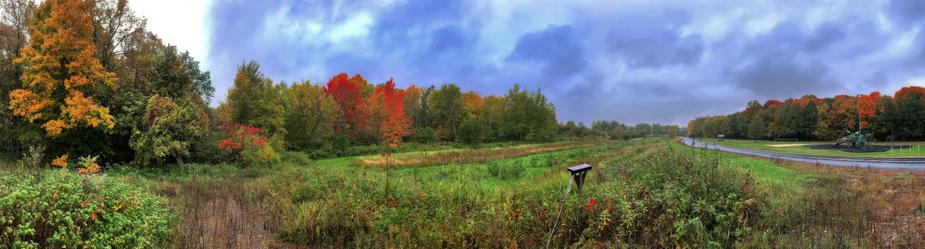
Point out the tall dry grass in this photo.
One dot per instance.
(470, 156)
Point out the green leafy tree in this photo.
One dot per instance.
(446, 108)
(310, 118)
(254, 100)
(672, 131)
(527, 116)
(787, 119)
(471, 132)
(168, 132)
(907, 117)
(423, 116)
(757, 128)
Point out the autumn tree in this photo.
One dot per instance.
(387, 103)
(310, 118)
(63, 81)
(255, 100)
(841, 116)
(870, 110)
(352, 115)
(473, 105)
(878, 116)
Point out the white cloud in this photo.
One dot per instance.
(178, 22)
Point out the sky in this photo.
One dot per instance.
(633, 61)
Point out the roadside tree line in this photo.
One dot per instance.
(882, 117)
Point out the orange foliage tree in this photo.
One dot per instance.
(910, 90)
(869, 109)
(352, 113)
(391, 123)
(473, 104)
(61, 74)
(387, 103)
(843, 115)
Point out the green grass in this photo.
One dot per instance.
(773, 178)
(918, 149)
(652, 193)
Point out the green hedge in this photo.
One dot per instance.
(60, 209)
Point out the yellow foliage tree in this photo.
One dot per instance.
(61, 74)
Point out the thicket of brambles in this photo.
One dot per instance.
(882, 117)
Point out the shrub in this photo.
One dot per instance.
(60, 162)
(677, 200)
(169, 129)
(247, 145)
(88, 165)
(33, 158)
(60, 209)
(470, 132)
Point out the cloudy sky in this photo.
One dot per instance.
(632, 61)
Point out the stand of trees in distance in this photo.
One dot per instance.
(86, 79)
(882, 117)
(616, 130)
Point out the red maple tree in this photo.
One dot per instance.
(772, 102)
(352, 112)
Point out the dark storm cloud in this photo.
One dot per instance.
(555, 49)
(653, 40)
(779, 77)
(648, 61)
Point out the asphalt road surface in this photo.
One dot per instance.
(905, 163)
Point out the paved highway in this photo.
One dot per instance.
(917, 163)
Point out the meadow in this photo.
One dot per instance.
(643, 193)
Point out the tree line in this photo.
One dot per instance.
(86, 78)
(349, 110)
(612, 129)
(880, 117)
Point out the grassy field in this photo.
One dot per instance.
(642, 193)
(917, 150)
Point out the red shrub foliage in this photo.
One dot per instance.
(241, 136)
